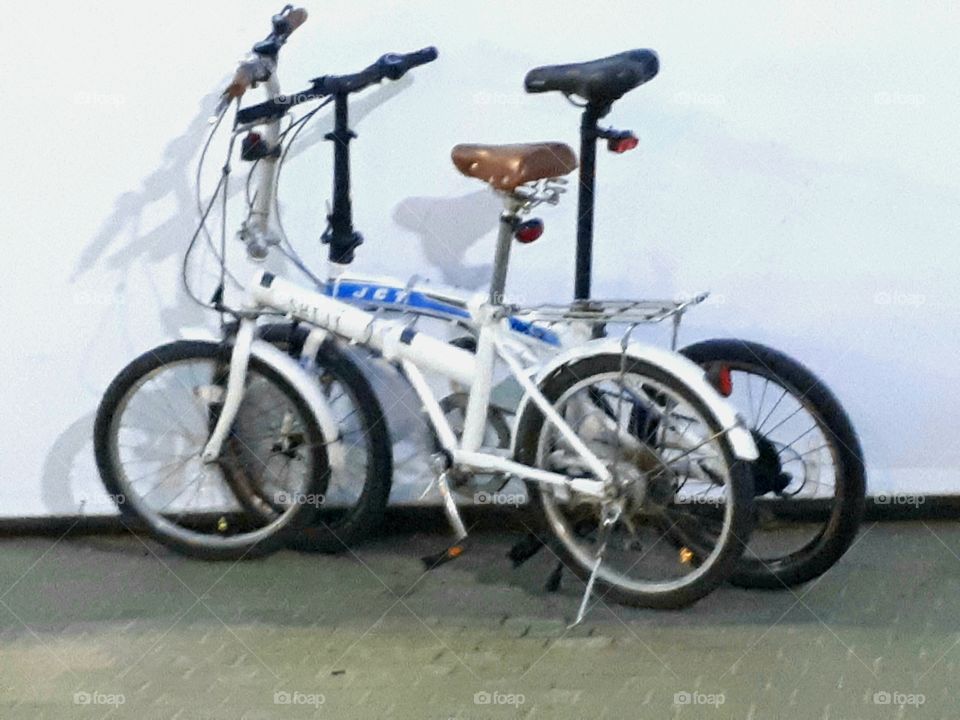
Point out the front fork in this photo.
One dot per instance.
(236, 380)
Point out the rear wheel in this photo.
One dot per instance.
(152, 425)
(676, 471)
(809, 479)
(357, 495)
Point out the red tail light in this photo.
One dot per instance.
(623, 144)
(528, 231)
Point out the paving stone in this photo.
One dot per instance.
(97, 615)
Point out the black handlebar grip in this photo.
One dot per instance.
(421, 57)
(395, 65)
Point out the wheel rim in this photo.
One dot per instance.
(790, 423)
(636, 558)
(157, 458)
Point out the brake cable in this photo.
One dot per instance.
(204, 214)
(290, 252)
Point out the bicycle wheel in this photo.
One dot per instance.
(810, 466)
(152, 425)
(357, 495)
(674, 473)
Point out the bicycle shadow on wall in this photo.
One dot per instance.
(447, 228)
(146, 228)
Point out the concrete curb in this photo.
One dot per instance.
(399, 519)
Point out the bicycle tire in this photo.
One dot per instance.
(260, 540)
(840, 529)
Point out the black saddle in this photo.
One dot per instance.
(599, 82)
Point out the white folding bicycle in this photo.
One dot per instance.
(188, 426)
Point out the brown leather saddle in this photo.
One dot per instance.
(507, 166)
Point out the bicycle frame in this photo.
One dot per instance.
(416, 352)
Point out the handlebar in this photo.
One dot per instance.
(260, 65)
(391, 66)
(284, 23)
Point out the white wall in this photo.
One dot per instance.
(798, 158)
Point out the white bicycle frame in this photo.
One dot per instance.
(416, 352)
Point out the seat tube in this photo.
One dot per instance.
(475, 421)
(501, 260)
(585, 201)
(478, 403)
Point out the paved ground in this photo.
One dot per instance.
(116, 627)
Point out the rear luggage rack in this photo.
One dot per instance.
(608, 311)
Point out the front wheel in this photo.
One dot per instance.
(809, 479)
(152, 425)
(674, 473)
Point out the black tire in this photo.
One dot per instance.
(529, 428)
(335, 531)
(845, 508)
(195, 535)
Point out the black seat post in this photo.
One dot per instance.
(585, 199)
(340, 234)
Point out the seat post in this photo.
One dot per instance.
(585, 199)
(508, 221)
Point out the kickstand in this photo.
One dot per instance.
(553, 582)
(453, 515)
(609, 518)
(525, 549)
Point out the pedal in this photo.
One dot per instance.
(451, 553)
(524, 550)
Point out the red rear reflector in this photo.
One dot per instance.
(528, 231)
(621, 145)
(724, 381)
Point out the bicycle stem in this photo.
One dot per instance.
(340, 235)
